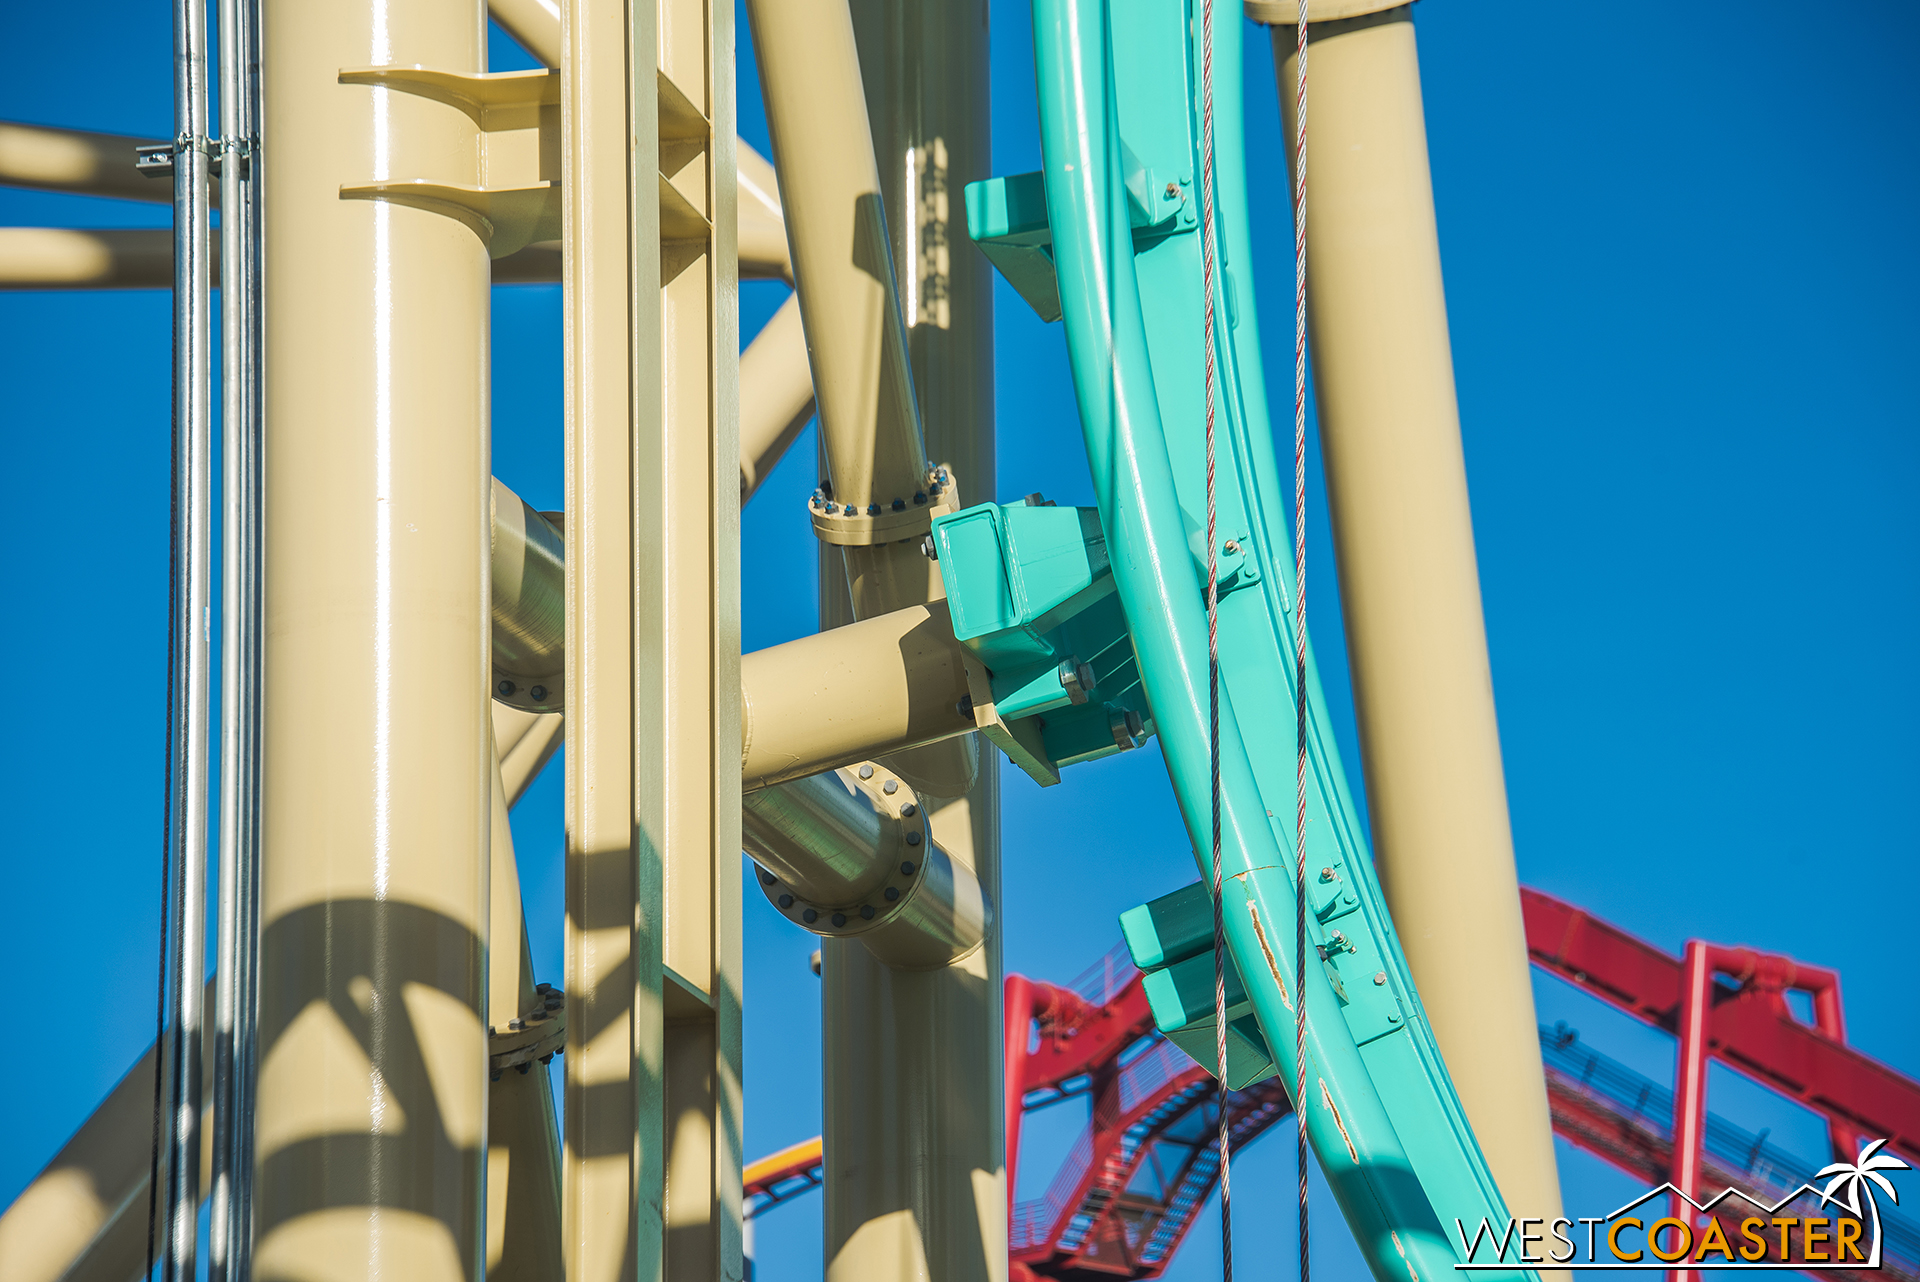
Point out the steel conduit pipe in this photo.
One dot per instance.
(851, 856)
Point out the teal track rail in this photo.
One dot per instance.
(1119, 110)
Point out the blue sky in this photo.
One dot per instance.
(1681, 274)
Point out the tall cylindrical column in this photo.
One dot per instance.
(376, 773)
(1403, 534)
(915, 1105)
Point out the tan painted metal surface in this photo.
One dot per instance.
(528, 576)
(523, 1144)
(84, 1217)
(376, 794)
(613, 1145)
(830, 190)
(866, 690)
(75, 160)
(142, 258)
(1403, 533)
(687, 652)
(776, 394)
(914, 1126)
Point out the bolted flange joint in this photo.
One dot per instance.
(899, 518)
(907, 900)
(537, 1033)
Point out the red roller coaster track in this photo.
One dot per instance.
(1129, 1189)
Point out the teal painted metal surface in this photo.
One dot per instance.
(1119, 128)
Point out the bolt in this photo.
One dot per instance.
(893, 893)
(913, 839)
(899, 505)
(1173, 191)
(547, 1058)
(965, 707)
(1337, 941)
(866, 772)
(906, 811)
(890, 787)
(525, 1067)
(873, 509)
(810, 916)
(929, 549)
(554, 1003)
(516, 1024)
(539, 694)
(535, 1014)
(1327, 874)
(839, 919)
(851, 510)
(1232, 547)
(543, 988)
(866, 911)
(906, 869)
(1380, 978)
(767, 878)
(921, 497)
(785, 901)
(506, 687)
(491, 1031)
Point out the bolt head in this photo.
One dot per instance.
(810, 916)
(516, 1024)
(1173, 191)
(539, 694)
(767, 878)
(1327, 874)
(866, 911)
(899, 505)
(890, 787)
(866, 772)
(921, 497)
(873, 509)
(785, 901)
(913, 839)
(907, 811)
(839, 919)
(893, 893)
(506, 687)
(906, 868)
(1380, 978)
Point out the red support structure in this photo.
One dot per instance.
(1753, 1030)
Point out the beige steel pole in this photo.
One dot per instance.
(614, 1172)
(371, 1119)
(914, 1128)
(523, 1146)
(687, 635)
(1403, 533)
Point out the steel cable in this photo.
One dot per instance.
(1300, 618)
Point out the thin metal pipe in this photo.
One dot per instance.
(187, 658)
(231, 1219)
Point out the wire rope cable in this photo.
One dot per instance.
(1208, 252)
(1300, 618)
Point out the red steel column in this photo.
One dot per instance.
(1690, 1084)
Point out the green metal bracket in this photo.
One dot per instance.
(1032, 599)
(1007, 218)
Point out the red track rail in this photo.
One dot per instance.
(1129, 1190)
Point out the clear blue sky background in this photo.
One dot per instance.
(1681, 274)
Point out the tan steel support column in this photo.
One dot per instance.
(84, 1217)
(1403, 533)
(687, 653)
(914, 1126)
(614, 1171)
(375, 791)
(523, 1147)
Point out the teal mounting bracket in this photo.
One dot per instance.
(1032, 599)
(1007, 219)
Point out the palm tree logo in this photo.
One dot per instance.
(1851, 1179)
